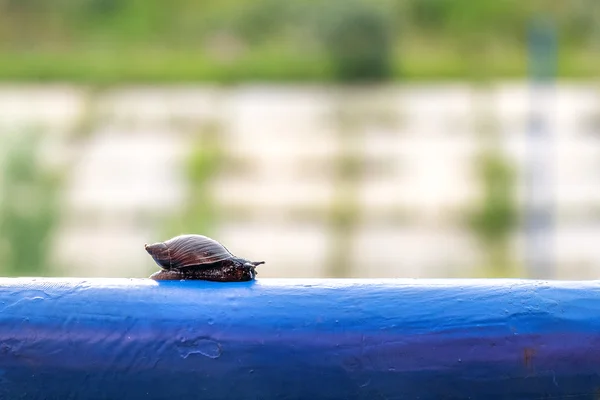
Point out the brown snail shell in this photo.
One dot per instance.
(199, 257)
(187, 250)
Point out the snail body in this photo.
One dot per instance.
(197, 257)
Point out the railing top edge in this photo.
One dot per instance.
(302, 282)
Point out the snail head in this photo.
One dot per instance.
(251, 266)
(160, 253)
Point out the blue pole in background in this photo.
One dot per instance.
(539, 164)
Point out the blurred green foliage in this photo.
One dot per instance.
(199, 213)
(358, 38)
(234, 40)
(29, 209)
(496, 216)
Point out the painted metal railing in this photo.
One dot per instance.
(298, 339)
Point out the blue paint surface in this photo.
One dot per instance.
(299, 339)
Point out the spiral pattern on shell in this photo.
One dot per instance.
(188, 250)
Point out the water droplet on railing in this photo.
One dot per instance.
(203, 346)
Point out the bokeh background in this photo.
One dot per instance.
(330, 138)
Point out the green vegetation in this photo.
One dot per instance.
(28, 209)
(495, 217)
(199, 212)
(497, 214)
(112, 41)
(358, 39)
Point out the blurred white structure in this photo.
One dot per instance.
(124, 149)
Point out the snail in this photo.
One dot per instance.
(197, 257)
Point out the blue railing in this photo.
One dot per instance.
(299, 339)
